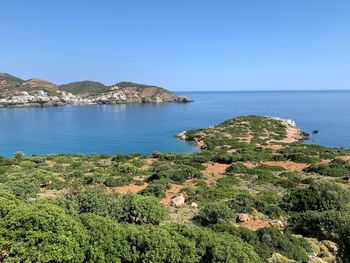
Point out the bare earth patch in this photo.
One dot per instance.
(345, 158)
(171, 193)
(256, 224)
(214, 171)
(289, 165)
(215, 168)
(130, 188)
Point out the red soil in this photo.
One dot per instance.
(215, 168)
(130, 188)
(171, 193)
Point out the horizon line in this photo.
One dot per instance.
(275, 90)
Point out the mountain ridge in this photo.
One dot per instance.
(15, 91)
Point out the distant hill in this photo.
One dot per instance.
(39, 83)
(85, 87)
(7, 78)
(17, 92)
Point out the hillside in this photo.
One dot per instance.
(84, 88)
(255, 193)
(15, 92)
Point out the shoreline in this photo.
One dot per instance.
(62, 104)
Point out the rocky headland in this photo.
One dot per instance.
(15, 92)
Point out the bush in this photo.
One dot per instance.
(42, 233)
(332, 225)
(114, 182)
(322, 195)
(19, 155)
(94, 200)
(337, 168)
(22, 188)
(178, 173)
(156, 188)
(107, 242)
(143, 210)
(214, 214)
(127, 168)
(242, 202)
(284, 243)
(267, 241)
(215, 247)
(236, 168)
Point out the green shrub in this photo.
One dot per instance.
(242, 202)
(107, 241)
(42, 233)
(143, 210)
(214, 213)
(336, 168)
(156, 188)
(322, 195)
(114, 182)
(332, 225)
(284, 243)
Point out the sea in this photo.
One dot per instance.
(146, 128)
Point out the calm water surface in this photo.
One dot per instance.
(147, 128)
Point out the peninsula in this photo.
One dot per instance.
(15, 92)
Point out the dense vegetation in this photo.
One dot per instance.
(84, 87)
(249, 197)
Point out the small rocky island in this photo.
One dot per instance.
(15, 92)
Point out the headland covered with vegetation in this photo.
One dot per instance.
(16, 92)
(255, 193)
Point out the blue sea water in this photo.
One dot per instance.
(147, 128)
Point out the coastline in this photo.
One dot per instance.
(59, 104)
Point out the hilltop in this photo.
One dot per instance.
(255, 193)
(36, 92)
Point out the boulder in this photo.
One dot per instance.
(178, 201)
(194, 205)
(242, 218)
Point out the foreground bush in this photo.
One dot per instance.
(42, 233)
(322, 195)
(332, 225)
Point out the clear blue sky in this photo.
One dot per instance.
(180, 44)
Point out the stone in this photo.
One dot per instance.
(178, 201)
(242, 218)
(194, 205)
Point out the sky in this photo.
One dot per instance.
(182, 45)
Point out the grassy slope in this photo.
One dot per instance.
(247, 168)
